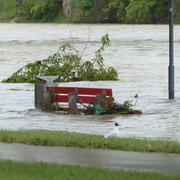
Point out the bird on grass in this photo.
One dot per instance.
(114, 132)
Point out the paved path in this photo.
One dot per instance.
(92, 157)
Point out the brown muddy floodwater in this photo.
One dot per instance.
(140, 54)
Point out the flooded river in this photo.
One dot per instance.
(140, 54)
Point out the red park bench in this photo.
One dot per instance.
(73, 95)
(46, 95)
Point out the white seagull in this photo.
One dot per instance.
(114, 132)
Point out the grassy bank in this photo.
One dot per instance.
(37, 171)
(44, 138)
(17, 170)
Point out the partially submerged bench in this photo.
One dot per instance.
(96, 99)
(47, 95)
(81, 95)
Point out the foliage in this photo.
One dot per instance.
(160, 11)
(23, 8)
(7, 10)
(86, 6)
(84, 11)
(68, 65)
(81, 10)
(109, 11)
(44, 10)
(139, 11)
(176, 12)
(144, 12)
(123, 11)
(115, 11)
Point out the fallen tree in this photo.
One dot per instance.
(67, 63)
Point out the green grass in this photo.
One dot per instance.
(32, 171)
(36, 171)
(46, 138)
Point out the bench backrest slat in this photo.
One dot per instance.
(82, 91)
(64, 98)
(84, 94)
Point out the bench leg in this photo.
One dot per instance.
(72, 98)
(47, 101)
(101, 99)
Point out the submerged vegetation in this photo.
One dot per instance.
(67, 63)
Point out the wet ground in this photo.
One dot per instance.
(164, 163)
